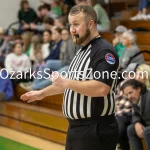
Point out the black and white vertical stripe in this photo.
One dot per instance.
(77, 106)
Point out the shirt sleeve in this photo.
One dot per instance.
(105, 65)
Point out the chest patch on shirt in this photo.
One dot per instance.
(110, 58)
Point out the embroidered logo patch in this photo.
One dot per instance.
(110, 58)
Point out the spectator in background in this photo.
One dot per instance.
(103, 22)
(61, 22)
(26, 39)
(140, 128)
(66, 56)
(43, 12)
(124, 105)
(5, 44)
(55, 45)
(129, 41)
(117, 41)
(47, 39)
(48, 23)
(36, 39)
(17, 63)
(6, 89)
(55, 9)
(142, 12)
(26, 15)
(143, 74)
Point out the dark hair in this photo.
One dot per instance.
(86, 9)
(135, 85)
(48, 20)
(58, 29)
(48, 31)
(44, 6)
(23, 2)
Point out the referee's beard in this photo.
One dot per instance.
(80, 40)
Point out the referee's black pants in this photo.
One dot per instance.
(93, 134)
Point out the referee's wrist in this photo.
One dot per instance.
(68, 83)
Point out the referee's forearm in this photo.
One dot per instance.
(88, 88)
(52, 90)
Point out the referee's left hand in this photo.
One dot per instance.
(59, 80)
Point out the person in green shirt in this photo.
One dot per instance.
(117, 40)
(103, 22)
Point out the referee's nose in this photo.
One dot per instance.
(73, 31)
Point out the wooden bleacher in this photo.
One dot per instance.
(45, 122)
(135, 24)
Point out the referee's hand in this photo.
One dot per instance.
(32, 96)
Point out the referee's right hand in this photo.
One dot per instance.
(32, 96)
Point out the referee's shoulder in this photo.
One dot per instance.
(103, 44)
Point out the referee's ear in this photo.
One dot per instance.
(91, 24)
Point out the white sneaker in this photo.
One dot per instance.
(137, 17)
(144, 17)
(148, 17)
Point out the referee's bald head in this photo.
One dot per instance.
(87, 10)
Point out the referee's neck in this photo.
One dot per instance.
(92, 36)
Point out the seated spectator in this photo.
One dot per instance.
(55, 45)
(124, 109)
(123, 105)
(66, 56)
(48, 23)
(55, 8)
(36, 40)
(6, 89)
(129, 41)
(117, 41)
(61, 22)
(43, 12)
(26, 39)
(140, 127)
(5, 44)
(47, 39)
(143, 74)
(18, 64)
(142, 13)
(26, 15)
(103, 22)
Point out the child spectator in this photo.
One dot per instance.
(17, 62)
(6, 89)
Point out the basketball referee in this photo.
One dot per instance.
(88, 89)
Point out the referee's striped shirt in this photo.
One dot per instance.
(88, 64)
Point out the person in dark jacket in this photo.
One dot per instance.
(26, 15)
(140, 127)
